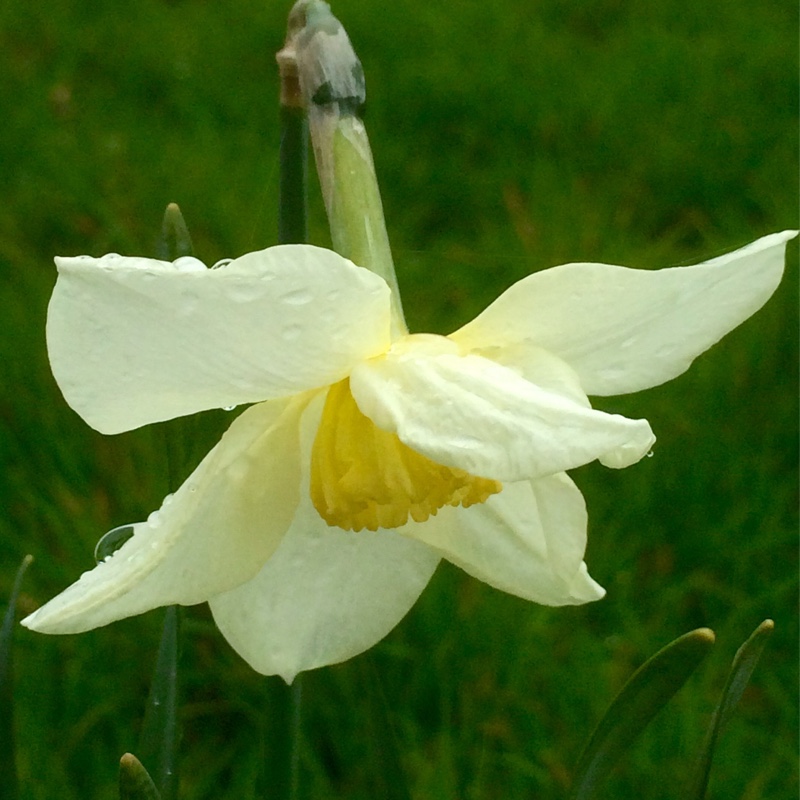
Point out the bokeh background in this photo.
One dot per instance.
(508, 137)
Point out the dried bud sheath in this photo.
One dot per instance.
(332, 88)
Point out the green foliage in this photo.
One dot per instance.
(507, 137)
(744, 663)
(643, 696)
(135, 782)
(8, 750)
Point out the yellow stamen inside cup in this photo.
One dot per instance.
(364, 477)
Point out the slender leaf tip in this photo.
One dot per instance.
(135, 782)
(744, 663)
(175, 240)
(646, 692)
(704, 634)
(12, 601)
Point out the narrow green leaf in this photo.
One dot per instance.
(8, 761)
(158, 745)
(642, 697)
(744, 662)
(134, 781)
(174, 241)
(176, 436)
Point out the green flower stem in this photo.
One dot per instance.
(332, 88)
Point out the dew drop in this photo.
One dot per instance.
(167, 500)
(189, 264)
(111, 542)
(154, 520)
(229, 408)
(649, 455)
(223, 262)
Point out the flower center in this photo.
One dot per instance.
(364, 477)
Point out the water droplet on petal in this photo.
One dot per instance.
(154, 520)
(189, 264)
(111, 542)
(649, 455)
(167, 500)
(223, 262)
(228, 408)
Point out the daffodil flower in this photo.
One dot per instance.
(314, 524)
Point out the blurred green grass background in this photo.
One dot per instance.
(508, 137)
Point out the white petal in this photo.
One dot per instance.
(133, 340)
(214, 533)
(538, 367)
(471, 413)
(529, 541)
(623, 330)
(325, 595)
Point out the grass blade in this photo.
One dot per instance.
(8, 764)
(744, 662)
(642, 697)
